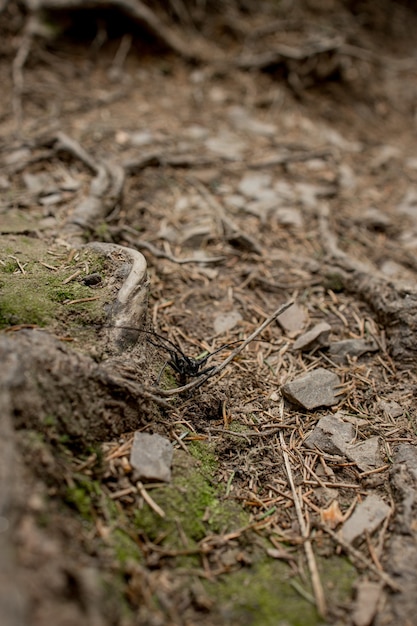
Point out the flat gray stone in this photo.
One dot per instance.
(331, 435)
(367, 516)
(390, 408)
(293, 319)
(340, 350)
(317, 388)
(366, 603)
(151, 457)
(289, 217)
(365, 454)
(334, 435)
(226, 321)
(255, 185)
(317, 337)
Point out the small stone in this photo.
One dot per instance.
(289, 217)
(235, 201)
(366, 603)
(317, 337)
(365, 454)
(196, 132)
(4, 183)
(368, 515)
(51, 199)
(91, 280)
(151, 457)
(376, 219)
(141, 138)
(390, 409)
(244, 242)
(241, 120)
(226, 145)
(293, 320)
(393, 269)
(255, 184)
(340, 350)
(317, 388)
(331, 435)
(226, 321)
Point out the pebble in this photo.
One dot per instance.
(293, 320)
(331, 435)
(256, 185)
(226, 321)
(367, 516)
(365, 454)
(151, 457)
(317, 337)
(340, 350)
(315, 389)
(390, 409)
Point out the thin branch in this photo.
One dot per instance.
(356, 555)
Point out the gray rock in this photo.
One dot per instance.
(241, 120)
(340, 350)
(227, 145)
(368, 515)
(226, 321)
(289, 217)
(293, 319)
(334, 435)
(365, 454)
(390, 408)
(256, 185)
(151, 457)
(366, 603)
(374, 218)
(331, 435)
(316, 337)
(317, 388)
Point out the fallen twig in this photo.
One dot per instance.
(360, 558)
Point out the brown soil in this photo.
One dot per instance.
(285, 169)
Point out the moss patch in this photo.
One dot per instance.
(193, 502)
(266, 595)
(39, 294)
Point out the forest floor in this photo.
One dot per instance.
(284, 171)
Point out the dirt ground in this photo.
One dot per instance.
(267, 158)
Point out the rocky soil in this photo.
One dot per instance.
(175, 183)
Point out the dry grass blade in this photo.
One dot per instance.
(311, 560)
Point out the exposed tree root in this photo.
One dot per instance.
(195, 49)
(394, 303)
(87, 401)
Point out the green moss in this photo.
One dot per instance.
(83, 496)
(125, 548)
(266, 594)
(262, 596)
(50, 421)
(334, 282)
(205, 454)
(40, 295)
(192, 502)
